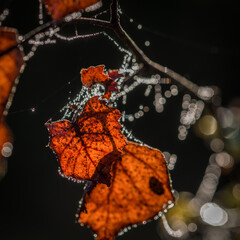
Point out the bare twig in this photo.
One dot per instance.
(29, 35)
(142, 58)
(114, 24)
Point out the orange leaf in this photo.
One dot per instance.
(61, 8)
(11, 64)
(93, 75)
(140, 189)
(5, 135)
(87, 147)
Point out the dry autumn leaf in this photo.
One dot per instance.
(140, 189)
(61, 8)
(87, 147)
(93, 75)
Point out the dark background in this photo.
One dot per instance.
(197, 39)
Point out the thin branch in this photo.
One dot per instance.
(115, 25)
(114, 16)
(142, 58)
(189, 85)
(46, 26)
(91, 21)
(29, 35)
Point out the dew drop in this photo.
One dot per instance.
(6, 12)
(162, 100)
(147, 43)
(131, 118)
(160, 214)
(8, 144)
(167, 156)
(217, 145)
(181, 137)
(20, 38)
(174, 91)
(146, 109)
(192, 227)
(136, 115)
(6, 151)
(214, 215)
(168, 94)
(141, 113)
(139, 26)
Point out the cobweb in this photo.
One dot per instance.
(161, 89)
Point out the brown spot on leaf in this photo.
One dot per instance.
(130, 199)
(156, 186)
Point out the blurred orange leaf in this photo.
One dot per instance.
(11, 64)
(87, 147)
(61, 8)
(5, 136)
(93, 75)
(140, 189)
